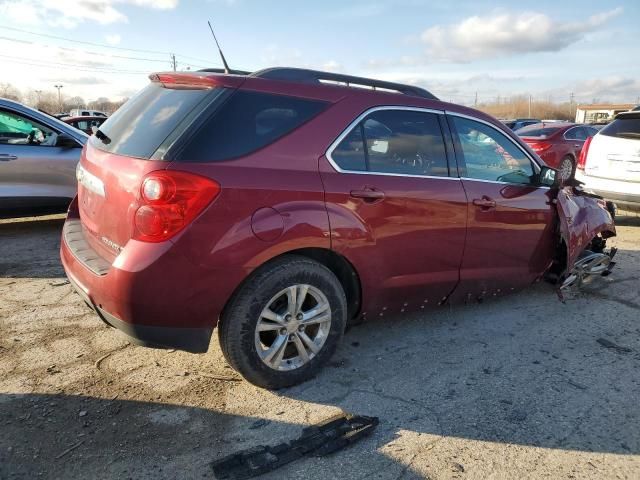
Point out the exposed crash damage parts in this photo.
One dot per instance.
(584, 225)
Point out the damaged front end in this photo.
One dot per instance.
(584, 224)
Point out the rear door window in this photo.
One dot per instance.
(624, 127)
(140, 126)
(400, 142)
(405, 142)
(349, 154)
(246, 122)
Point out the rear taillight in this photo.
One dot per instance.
(582, 159)
(540, 147)
(168, 201)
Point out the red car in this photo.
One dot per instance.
(280, 206)
(85, 124)
(558, 144)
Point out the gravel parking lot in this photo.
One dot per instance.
(520, 387)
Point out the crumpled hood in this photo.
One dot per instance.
(582, 216)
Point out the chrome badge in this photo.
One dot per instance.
(89, 181)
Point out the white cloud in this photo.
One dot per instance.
(331, 66)
(70, 13)
(503, 34)
(113, 39)
(609, 88)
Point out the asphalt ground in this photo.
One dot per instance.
(521, 387)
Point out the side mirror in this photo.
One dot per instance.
(549, 177)
(66, 141)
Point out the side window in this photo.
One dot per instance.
(405, 142)
(16, 129)
(349, 154)
(246, 122)
(576, 133)
(489, 154)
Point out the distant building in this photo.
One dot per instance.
(602, 112)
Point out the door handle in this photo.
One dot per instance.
(578, 146)
(485, 203)
(368, 194)
(5, 157)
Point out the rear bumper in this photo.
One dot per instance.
(626, 195)
(194, 340)
(151, 292)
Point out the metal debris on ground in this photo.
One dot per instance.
(322, 439)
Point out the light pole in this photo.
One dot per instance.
(59, 98)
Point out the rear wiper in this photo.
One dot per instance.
(100, 135)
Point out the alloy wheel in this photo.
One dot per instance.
(293, 327)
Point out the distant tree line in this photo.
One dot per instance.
(521, 107)
(48, 100)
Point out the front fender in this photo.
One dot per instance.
(582, 216)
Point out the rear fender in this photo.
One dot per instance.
(582, 217)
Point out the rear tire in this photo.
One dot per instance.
(264, 335)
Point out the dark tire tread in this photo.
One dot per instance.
(237, 324)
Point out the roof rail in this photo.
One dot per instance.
(315, 76)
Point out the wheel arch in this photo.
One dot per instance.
(336, 263)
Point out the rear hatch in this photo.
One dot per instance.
(614, 152)
(129, 145)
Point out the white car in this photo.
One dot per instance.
(609, 163)
(79, 112)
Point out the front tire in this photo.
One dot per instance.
(284, 323)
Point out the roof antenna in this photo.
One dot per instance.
(224, 61)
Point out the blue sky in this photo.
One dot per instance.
(455, 48)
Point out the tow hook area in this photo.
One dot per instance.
(588, 265)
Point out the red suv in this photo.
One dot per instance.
(280, 206)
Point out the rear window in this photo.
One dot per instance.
(140, 126)
(625, 127)
(535, 131)
(246, 122)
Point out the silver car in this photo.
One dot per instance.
(38, 158)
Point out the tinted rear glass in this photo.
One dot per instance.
(623, 128)
(246, 122)
(139, 127)
(536, 131)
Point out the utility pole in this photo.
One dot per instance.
(529, 106)
(59, 97)
(38, 93)
(174, 64)
(571, 97)
(475, 101)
